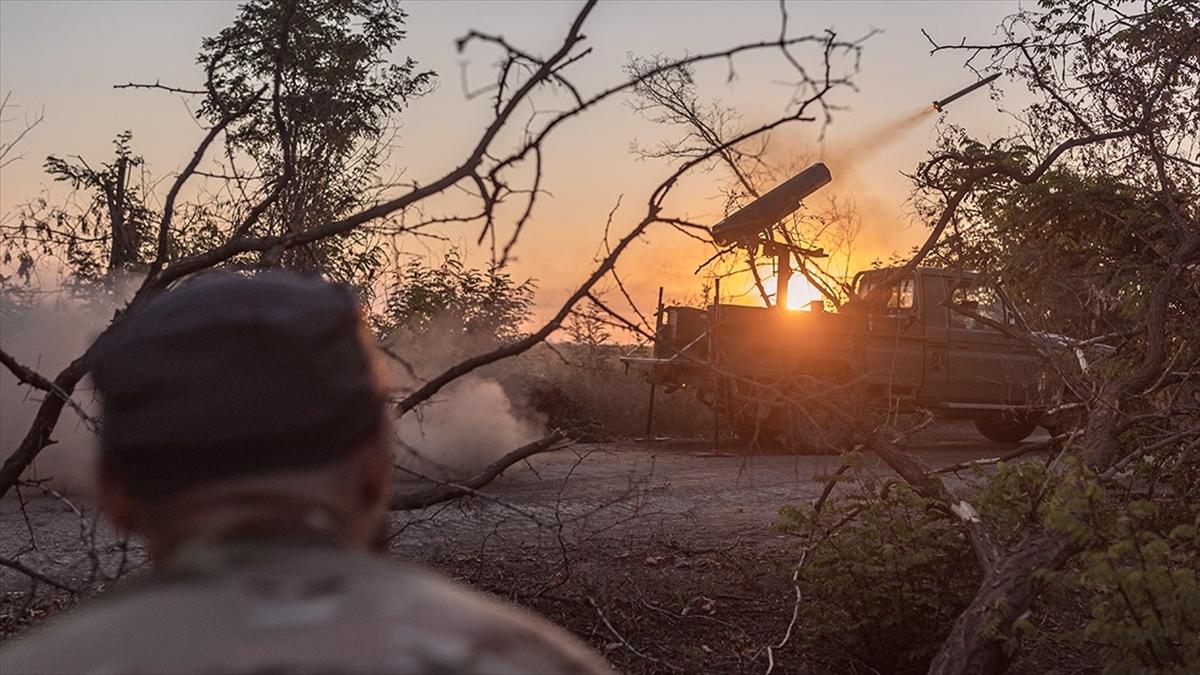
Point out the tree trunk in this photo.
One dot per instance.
(124, 234)
(976, 642)
(977, 639)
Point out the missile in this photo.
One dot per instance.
(938, 105)
(760, 214)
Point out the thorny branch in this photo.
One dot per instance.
(6, 147)
(34, 574)
(26, 375)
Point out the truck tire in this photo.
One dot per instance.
(1005, 428)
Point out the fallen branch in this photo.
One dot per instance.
(447, 491)
(623, 641)
(787, 635)
(1024, 449)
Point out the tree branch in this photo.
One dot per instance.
(449, 491)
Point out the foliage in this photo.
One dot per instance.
(1074, 249)
(319, 94)
(116, 196)
(1145, 607)
(106, 235)
(1087, 211)
(455, 299)
(888, 569)
(590, 333)
(1140, 576)
(1079, 246)
(321, 131)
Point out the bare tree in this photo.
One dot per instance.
(670, 98)
(28, 123)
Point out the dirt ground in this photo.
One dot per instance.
(659, 554)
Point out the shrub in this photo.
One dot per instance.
(887, 584)
(1140, 579)
(585, 391)
(886, 572)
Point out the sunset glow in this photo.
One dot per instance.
(866, 150)
(505, 335)
(800, 292)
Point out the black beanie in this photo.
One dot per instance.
(230, 376)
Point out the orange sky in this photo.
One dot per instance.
(65, 57)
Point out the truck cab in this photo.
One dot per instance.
(919, 348)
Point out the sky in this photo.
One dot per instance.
(63, 58)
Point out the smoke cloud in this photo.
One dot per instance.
(873, 141)
(468, 425)
(859, 180)
(47, 336)
(471, 423)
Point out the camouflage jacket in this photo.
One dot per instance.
(296, 607)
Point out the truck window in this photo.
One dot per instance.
(901, 301)
(903, 296)
(981, 300)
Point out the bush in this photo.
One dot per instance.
(585, 391)
(433, 316)
(456, 301)
(1140, 579)
(885, 585)
(886, 572)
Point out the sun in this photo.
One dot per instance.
(800, 292)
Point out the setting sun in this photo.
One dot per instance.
(800, 292)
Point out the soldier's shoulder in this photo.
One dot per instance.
(283, 611)
(475, 631)
(81, 636)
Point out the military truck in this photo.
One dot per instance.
(773, 373)
(792, 376)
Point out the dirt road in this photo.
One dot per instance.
(661, 555)
(649, 489)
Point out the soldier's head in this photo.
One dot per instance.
(243, 403)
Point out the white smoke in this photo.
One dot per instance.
(470, 423)
(46, 337)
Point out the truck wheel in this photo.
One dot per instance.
(1005, 428)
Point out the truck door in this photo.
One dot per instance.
(984, 366)
(894, 357)
(935, 382)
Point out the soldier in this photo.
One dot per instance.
(244, 437)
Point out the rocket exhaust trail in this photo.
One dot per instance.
(938, 105)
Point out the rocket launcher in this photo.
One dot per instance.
(748, 223)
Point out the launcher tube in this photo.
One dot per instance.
(752, 219)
